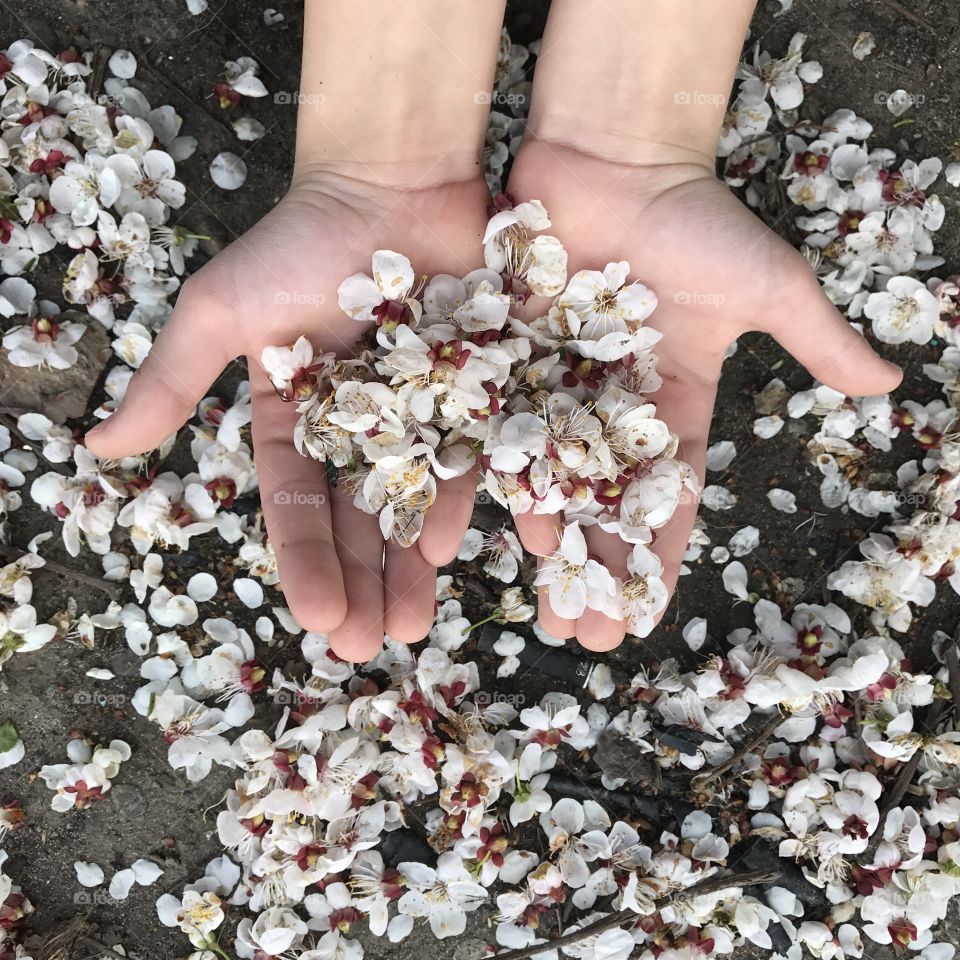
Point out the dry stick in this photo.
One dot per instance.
(12, 554)
(100, 60)
(710, 885)
(103, 948)
(10, 422)
(748, 747)
(952, 656)
(910, 15)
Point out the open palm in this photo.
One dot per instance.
(269, 287)
(718, 272)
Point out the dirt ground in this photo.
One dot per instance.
(152, 811)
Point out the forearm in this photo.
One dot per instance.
(641, 81)
(393, 90)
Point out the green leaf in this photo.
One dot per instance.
(8, 736)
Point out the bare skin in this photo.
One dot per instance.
(387, 158)
(630, 175)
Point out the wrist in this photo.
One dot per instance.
(638, 83)
(396, 92)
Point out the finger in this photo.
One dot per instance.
(822, 339)
(559, 627)
(539, 532)
(447, 520)
(595, 630)
(359, 637)
(688, 412)
(409, 592)
(295, 499)
(188, 355)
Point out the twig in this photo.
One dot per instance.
(10, 422)
(100, 60)
(710, 885)
(103, 948)
(908, 14)
(12, 554)
(748, 747)
(952, 656)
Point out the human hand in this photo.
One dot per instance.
(718, 271)
(270, 286)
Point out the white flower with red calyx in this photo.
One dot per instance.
(274, 932)
(642, 595)
(232, 672)
(128, 240)
(610, 313)
(903, 188)
(157, 514)
(905, 311)
(86, 503)
(196, 914)
(527, 787)
(903, 911)
(150, 188)
(20, 62)
(575, 581)
(527, 265)
(475, 304)
(88, 777)
(399, 491)
(875, 240)
(296, 371)
(814, 169)
(631, 432)
(374, 886)
(885, 580)
(502, 550)
(443, 378)
(815, 632)
(782, 79)
(44, 343)
(239, 80)
(442, 895)
(86, 186)
(347, 836)
(556, 719)
(193, 732)
(853, 817)
(387, 298)
(224, 476)
(572, 846)
(649, 498)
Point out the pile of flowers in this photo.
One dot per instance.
(555, 411)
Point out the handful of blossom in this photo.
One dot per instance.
(555, 411)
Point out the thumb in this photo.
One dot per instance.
(188, 355)
(812, 329)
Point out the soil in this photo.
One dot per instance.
(152, 811)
